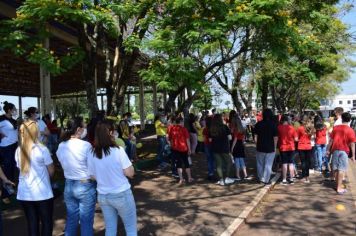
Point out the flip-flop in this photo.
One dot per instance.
(342, 192)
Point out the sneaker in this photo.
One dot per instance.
(311, 171)
(307, 181)
(220, 182)
(175, 176)
(236, 179)
(284, 182)
(229, 180)
(291, 181)
(249, 177)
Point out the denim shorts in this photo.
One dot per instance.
(239, 162)
(339, 160)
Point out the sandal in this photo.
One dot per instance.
(190, 180)
(342, 192)
(181, 182)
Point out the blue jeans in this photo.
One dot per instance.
(210, 158)
(239, 162)
(122, 204)
(80, 199)
(162, 142)
(321, 158)
(8, 164)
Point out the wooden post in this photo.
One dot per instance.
(164, 98)
(154, 98)
(20, 107)
(45, 82)
(39, 103)
(142, 105)
(128, 102)
(54, 108)
(102, 101)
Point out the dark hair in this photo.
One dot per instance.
(208, 121)
(178, 119)
(30, 111)
(72, 127)
(318, 123)
(8, 106)
(338, 110)
(235, 122)
(217, 126)
(284, 118)
(103, 140)
(46, 117)
(267, 114)
(345, 117)
(128, 114)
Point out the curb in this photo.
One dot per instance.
(250, 208)
(351, 173)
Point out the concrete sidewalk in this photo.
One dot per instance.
(305, 209)
(165, 208)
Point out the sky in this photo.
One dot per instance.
(348, 87)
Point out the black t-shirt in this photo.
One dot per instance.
(221, 143)
(266, 131)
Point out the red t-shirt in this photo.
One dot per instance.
(304, 142)
(320, 136)
(206, 136)
(178, 136)
(238, 135)
(286, 136)
(342, 136)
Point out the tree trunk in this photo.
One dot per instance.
(264, 93)
(172, 96)
(89, 72)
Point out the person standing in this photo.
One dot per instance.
(79, 190)
(305, 132)
(33, 114)
(266, 138)
(237, 144)
(8, 145)
(220, 137)
(342, 140)
(161, 132)
(193, 132)
(320, 143)
(287, 135)
(34, 189)
(6, 181)
(110, 166)
(178, 138)
(207, 149)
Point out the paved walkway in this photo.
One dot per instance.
(165, 208)
(305, 209)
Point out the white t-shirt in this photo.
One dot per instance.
(339, 122)
(109, 171)
(73, 156)
(35, 185)
(41, 128)
(10, 134)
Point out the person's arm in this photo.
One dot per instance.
(329, 147)
(188, 145)
(233, 145)
(352, 147)
(129, 172)
(4, 178)
(50, 169)
(275, 139)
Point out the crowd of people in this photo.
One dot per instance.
(289, 142)
(95, 168)
(96, 158)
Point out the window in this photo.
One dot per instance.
(354, 103)
(348, 102)
(340, 102)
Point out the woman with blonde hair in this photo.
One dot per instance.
(34, 188)
(305, 132)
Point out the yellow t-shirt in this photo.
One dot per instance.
(160, 130)
(200, 132)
